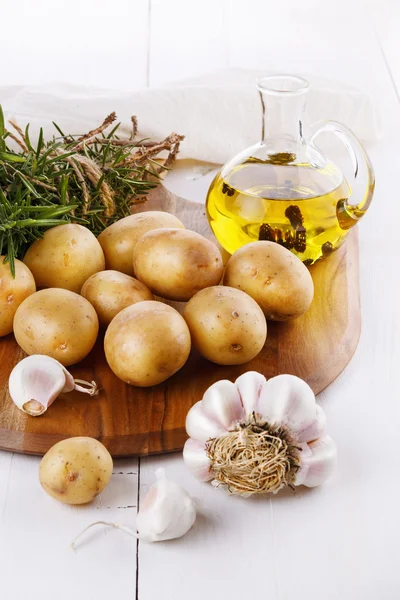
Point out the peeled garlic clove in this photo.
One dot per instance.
(35, 383)
(316, 429)
(196, 459)
(317, 463)
(251, 386)
(167, 511)
(200, 426)
(289, 401)
(222, 403)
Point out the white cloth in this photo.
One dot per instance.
(219, 114)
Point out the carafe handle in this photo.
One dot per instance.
(349, 214)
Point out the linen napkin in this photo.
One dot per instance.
(219, 114)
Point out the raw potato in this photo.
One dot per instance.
(226, 325)
(176, 263)
(119, 239)
(13, 292)
(76, 470)
(146, 343)
(276, 279)
(65, 258)
(109, 292)
(58, 323)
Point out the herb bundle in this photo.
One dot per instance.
(91, 179)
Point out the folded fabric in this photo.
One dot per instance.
(219, 114)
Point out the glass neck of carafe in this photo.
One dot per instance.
(283, 99)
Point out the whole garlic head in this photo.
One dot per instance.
(256, 436)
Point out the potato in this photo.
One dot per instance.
(276, 279)
(146, 343)
(13, 291)
(111, 291)
(226, 325)
(176, 263)
(58, 323)
(75, 470)
(119, 239)
(65, 257)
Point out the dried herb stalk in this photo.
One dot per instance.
(92, 179)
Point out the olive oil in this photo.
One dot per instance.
(296, 205)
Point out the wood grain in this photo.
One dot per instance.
(141, 421)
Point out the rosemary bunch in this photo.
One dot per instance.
(92, 179)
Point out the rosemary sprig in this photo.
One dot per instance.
(92, 179)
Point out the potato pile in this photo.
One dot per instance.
(108, 284)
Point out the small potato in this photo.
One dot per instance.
(176, 263)
(226, 325)
(13, 292)
(119, 239)
(58, 323)
(76, 470)
(109, 292)
(146, 343)
(65, 257)
(276, 279)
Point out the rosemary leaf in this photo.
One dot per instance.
(91, 179)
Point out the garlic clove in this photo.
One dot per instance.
(251, 386)
(37, 380)
(318, 462)
(167, 511)
(317, 428)
(196, 459)
(200, 426)
(35, 383)
(288, 401)
(69, 380)
(222, 403)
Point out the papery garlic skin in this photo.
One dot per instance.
(318, 462)
(37, 380)
(283, 407)
(167, 511)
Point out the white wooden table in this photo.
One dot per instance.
(336, 542)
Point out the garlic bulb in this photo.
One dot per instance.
(166, 512)
(37, 380)
(256, 436)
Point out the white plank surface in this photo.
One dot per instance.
(340, 541)
(36, 532)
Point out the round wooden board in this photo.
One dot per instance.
(141, 421)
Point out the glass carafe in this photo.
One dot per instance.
(284, 189)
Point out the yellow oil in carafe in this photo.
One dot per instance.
(295, 205)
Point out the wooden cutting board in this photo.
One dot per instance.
(141, 421)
